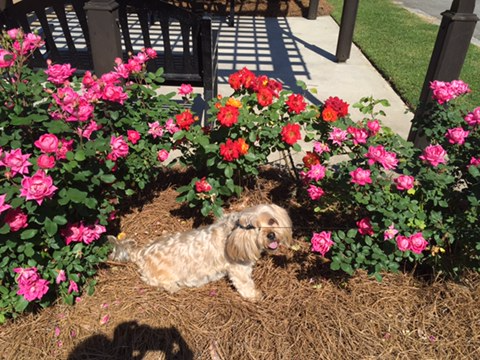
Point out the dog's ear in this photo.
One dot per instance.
(241, 245)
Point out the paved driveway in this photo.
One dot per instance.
(433, 8)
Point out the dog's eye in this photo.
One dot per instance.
(271, 236)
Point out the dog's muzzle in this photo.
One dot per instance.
(272, 241)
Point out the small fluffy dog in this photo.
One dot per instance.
(230, 246)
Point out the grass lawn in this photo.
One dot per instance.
(400, 45)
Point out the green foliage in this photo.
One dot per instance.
(60, 229)
(439, 208)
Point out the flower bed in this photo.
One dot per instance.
(73, 149)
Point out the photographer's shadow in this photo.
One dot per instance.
(131, 341)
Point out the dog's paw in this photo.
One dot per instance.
(254, 296)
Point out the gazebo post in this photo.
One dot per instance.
(451, 47)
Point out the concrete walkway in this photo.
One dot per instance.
(294, 48)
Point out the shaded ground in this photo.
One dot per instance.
(307, 312)
(266, 8)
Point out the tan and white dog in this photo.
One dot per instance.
(229, 247)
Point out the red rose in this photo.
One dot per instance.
(291, 133)
(337, 104)
(133, 136)
(202, 185)
(264, 97)
(230, 150)
(235, 81)
(310, 159)
(296, 103)
(329, 115)
(185, 119)
(228, 115)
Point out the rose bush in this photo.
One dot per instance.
(406, 204)
(256, 120)
(71, 149)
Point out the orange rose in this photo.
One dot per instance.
(329, 115)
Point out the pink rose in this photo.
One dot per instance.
(473, 118)
(389, 160)
(122, 69)
(133, 136)
(202, 185)
(390, 233)
(185, 89)
(33, 290)
(47, 143)
(365, 227)
(322, 242)
(119, 148)
(417, 243)
(73, 233)
(360, 176)
(31, 42)
(317, 172)
(72, 287)
(61, 277)
(37, 187)
(404, 182)
(16, 219)
(114, 93)
(320, 147)
(434, 154)
(315, 192)
(456, 135)
(170, 126)
(14, 33)
(58, 74)
(30, 285)
(92, 233)
(360, 136)
(474, 162)
(375, 154)
(65, 146)
(109, 79)
(6, 58)
(3, 206)
(373, 126)
(151, 53)
(155, 129)
(337, 136)
(16, 161)
(403, 243)
(46, 162)
(26, 275)
(89, 129)
(162, 155)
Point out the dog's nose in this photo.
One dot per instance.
(271, 236)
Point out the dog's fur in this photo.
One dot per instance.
(230, 246)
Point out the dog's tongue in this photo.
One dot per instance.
(273, 245)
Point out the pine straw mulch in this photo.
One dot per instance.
(307, 311)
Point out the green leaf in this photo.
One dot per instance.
(76, 195)
(60, 220)
(108, 178)
(21, 304)
(29, 252)
(5, 229)
(28, 234)
(228, 172)
(91, 203)
(335, 266)
(51, 227)
(80, 155)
